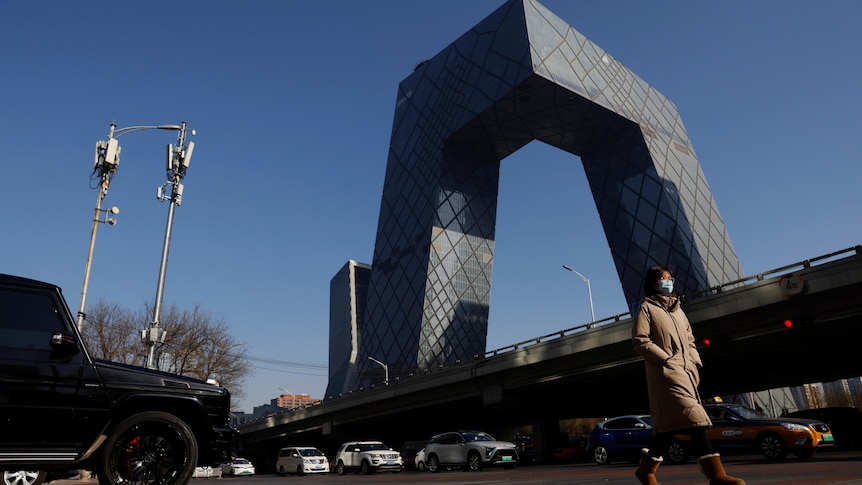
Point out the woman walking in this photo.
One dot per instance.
(662, 336)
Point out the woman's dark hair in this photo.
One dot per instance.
(652, 275)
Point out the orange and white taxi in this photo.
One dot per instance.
(738, 429)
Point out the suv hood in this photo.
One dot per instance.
(493, 444)
(127, 375)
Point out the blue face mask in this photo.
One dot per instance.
(665, 287)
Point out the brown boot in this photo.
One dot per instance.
(714, 471)
(647, 468)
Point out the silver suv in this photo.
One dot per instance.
(470, 450)
(367, 457)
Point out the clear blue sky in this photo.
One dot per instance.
(293, 106)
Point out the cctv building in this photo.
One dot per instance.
(521, 74)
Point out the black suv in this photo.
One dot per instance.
(63, 410)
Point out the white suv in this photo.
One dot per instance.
(470, 450)
(301, 460)
(367, 457)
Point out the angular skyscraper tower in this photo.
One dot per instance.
(522, 74)
(347, 296)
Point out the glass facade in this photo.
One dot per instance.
(522, 74)
(347, 296)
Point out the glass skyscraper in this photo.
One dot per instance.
(522, 74)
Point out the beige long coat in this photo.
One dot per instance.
(662, 336)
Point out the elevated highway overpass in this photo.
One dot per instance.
(789, 326)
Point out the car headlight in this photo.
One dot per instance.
(794, 427)
(489, 450)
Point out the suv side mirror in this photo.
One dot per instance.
(64, 342)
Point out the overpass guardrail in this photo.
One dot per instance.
(804, 264)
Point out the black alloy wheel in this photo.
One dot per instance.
(149, 447)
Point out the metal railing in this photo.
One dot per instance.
(805, 264)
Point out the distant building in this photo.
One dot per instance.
(294, 401)
(238, 418)
(347, 293)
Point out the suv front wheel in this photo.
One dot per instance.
(150, 447)
(433, 464)
(474, 462)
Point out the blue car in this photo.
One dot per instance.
(623, 438)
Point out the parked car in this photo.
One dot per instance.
(64, 410)
(420, 462)
(367, 457)
(470, 450)
(206, 472)
(623, 438)
(408, 452)
(301, 460)
(23, 477)
(844, 422)
(237, 467)
(738, 429)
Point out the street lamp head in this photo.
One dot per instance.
(169, 127)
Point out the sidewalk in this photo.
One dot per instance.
(81, 479)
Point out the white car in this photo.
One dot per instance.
(237, 468)
(421, 462)
(206, 472)
(301, 460)
(470, 450)
(367, 457)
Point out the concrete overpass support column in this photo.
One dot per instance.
(546, 437)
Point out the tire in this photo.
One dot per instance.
(299, 471)
(24, 477)
(340, 468)
(280, 471)
(772, 447)
(474, 462)
(433, 464)
(365, 468)
(676, 453)
(421, 466)
(149, 447)
(600, 455)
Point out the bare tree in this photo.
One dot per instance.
(112, 333)
(197, 344)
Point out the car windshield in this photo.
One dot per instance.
(746, 413)
(647, 420)
(240, 462)
(310, 452)
(477, 436)
(373, 446)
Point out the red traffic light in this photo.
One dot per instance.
(788, 323)
(705, 342)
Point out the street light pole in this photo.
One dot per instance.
(107, 159)
(385, 370)
(178, 159)
(589, 290)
